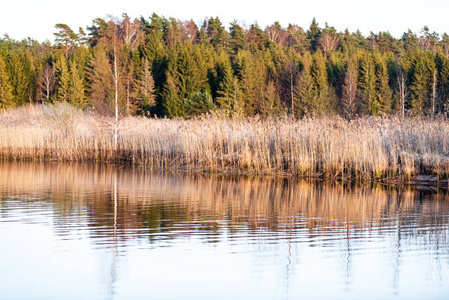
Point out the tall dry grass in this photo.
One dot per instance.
(366, 149)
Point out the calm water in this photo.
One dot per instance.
(85, 231)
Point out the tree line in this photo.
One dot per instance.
(166, 67)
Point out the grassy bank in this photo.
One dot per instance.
(364, 149)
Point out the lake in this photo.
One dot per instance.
(91, 231)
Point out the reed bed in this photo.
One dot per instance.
(363, 149)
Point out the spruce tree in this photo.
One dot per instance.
(384, 94)
(237, 40)
(227, 85)
(421, 81)
(367, 83)
(6, 96)
(313, 34)
(144, 86)
(63, 79)
(76, 87)
(305, 93)
(19, 75)
(173, 104)
(101, 81)
(320, 78)
(198, 103)
(251, 72)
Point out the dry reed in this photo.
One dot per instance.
(364, 149)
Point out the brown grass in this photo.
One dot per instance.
(365, 149)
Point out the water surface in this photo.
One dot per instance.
(88, 231)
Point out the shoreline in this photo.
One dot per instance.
(421, 182)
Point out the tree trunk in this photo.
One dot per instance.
(291, 89)
(116, 98)
(402, 93)
(434, 92)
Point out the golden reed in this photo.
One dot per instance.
(363, 149)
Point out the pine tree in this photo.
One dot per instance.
(65, 37)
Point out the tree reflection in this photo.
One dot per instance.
(119, 204)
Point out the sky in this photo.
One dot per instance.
(36, 19)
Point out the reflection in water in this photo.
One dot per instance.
(114, 245)
(266, 239)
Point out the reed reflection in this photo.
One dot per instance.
(135, 200)
(119, 204)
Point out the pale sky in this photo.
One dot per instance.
(36, 19)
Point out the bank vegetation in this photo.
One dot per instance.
(365, 149)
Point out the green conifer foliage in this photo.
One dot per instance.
(19, 75)
(246, 71)
(173, 103)
(367, 82)
(384, 93)
(101, 81)
(198, 103)
(76, 94)
(252, 75)
(63, 79)
(216, 33)
(186, 74)
(6, 96)
(227, 85)
(237, 39)
(305, 93)
(421, 74)
(313, 34)
(320, 78)
(65, 38)
(144, 86)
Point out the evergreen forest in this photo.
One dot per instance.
(166, 67)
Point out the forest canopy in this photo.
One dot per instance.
(167, 67)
